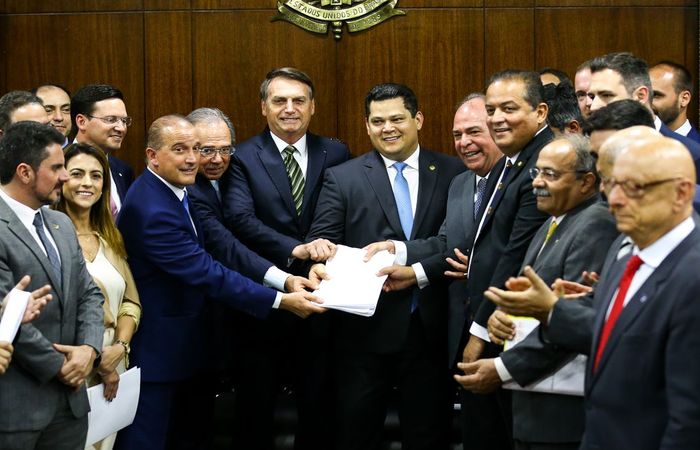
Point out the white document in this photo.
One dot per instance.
(107, 418)
(13, 311)
(353, 286)
(568, 380)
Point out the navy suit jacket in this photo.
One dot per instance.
(645, 393)
(122, 174)
(693, 134)
(218, 240)
(174, 275)
(357, 207)
(259, 208)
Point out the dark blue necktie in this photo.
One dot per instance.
(50, 250)
(480, 189)
(403, 200)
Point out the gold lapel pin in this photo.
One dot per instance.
(520, 163)
(432, 167)
(55, 226)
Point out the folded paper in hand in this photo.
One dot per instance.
(354, 286)
(107, 418)
(567, 380)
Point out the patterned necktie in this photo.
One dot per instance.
(113, 208)
(403, 200)
(480, 189)
(296, 177)
(550, 231)
(632, 266)
(50, 250)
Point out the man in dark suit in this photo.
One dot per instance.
(56, 101)
(44, 403)
(98, 114)
(646, 309)
(575, 239)
(479, 153)
(175, 276)
(673, 88)
(619, 76)
(397, 191)
(271, 195)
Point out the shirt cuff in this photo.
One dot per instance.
(479, 331)
(278, 300)
(421, 277)
(503, 373)
(275, 278)
(401, 253)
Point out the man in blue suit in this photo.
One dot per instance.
(98, 114)
(673, 89)
(641, 335)
(273, 187)
(174, 276)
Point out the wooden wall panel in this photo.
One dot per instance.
(420, 51)
(168, 74)
(625, 3)
(509, 39)
(509, 3)
(233, 51)
(38, 6)
(151, 5)
(234, 4)
(94, 48)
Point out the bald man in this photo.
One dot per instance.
(642, 366)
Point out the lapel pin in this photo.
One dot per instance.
(520, 164)
(643, 299)
(55, 226)
(431, 167)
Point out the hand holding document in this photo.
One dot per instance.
(13, 311)
(353, 286)
(567, 380)
(106, 417)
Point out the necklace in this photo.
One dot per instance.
(90, 244)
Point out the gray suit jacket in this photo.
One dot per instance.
(455, 232)
(29, 390)
(579, 243)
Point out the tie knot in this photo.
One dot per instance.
(289, 150)
(38, 221)
(399, 166)
(634, 263)
(509, 164)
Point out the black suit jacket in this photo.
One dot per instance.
(357, 207)
(258, 206)
(123, 175)
(508, 228)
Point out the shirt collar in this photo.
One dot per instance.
(179, 192)
(684, 129)
(411, 161)
(657, 122)
(659, 250)
(23, 212)
(300, 145)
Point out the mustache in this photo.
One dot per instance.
(541, 192)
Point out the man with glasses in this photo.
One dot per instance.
(56, 101)
(642, 341)
(98, 113)
(575, 238)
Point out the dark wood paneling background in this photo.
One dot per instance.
(176, 55)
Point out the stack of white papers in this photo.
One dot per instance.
(567, 380)
(354, 286)
(13, 312)
(107, 418)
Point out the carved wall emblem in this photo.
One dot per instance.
(318, 15)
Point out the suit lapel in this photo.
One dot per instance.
(63, 250)
(272, 162)
(428, 172)
(316, 161)
(22, 234)
(534, 257)
(375, 170)
(466, 206)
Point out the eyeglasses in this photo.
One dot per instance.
(550, 174)
(208, 152)
(112, 120)
(632, 189)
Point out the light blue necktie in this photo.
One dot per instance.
(403, 199)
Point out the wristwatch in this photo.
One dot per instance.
(124, 344)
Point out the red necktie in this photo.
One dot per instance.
(113, 208)
(632, 267)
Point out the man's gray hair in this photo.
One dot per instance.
(212, 115)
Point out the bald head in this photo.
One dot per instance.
(654, 188)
